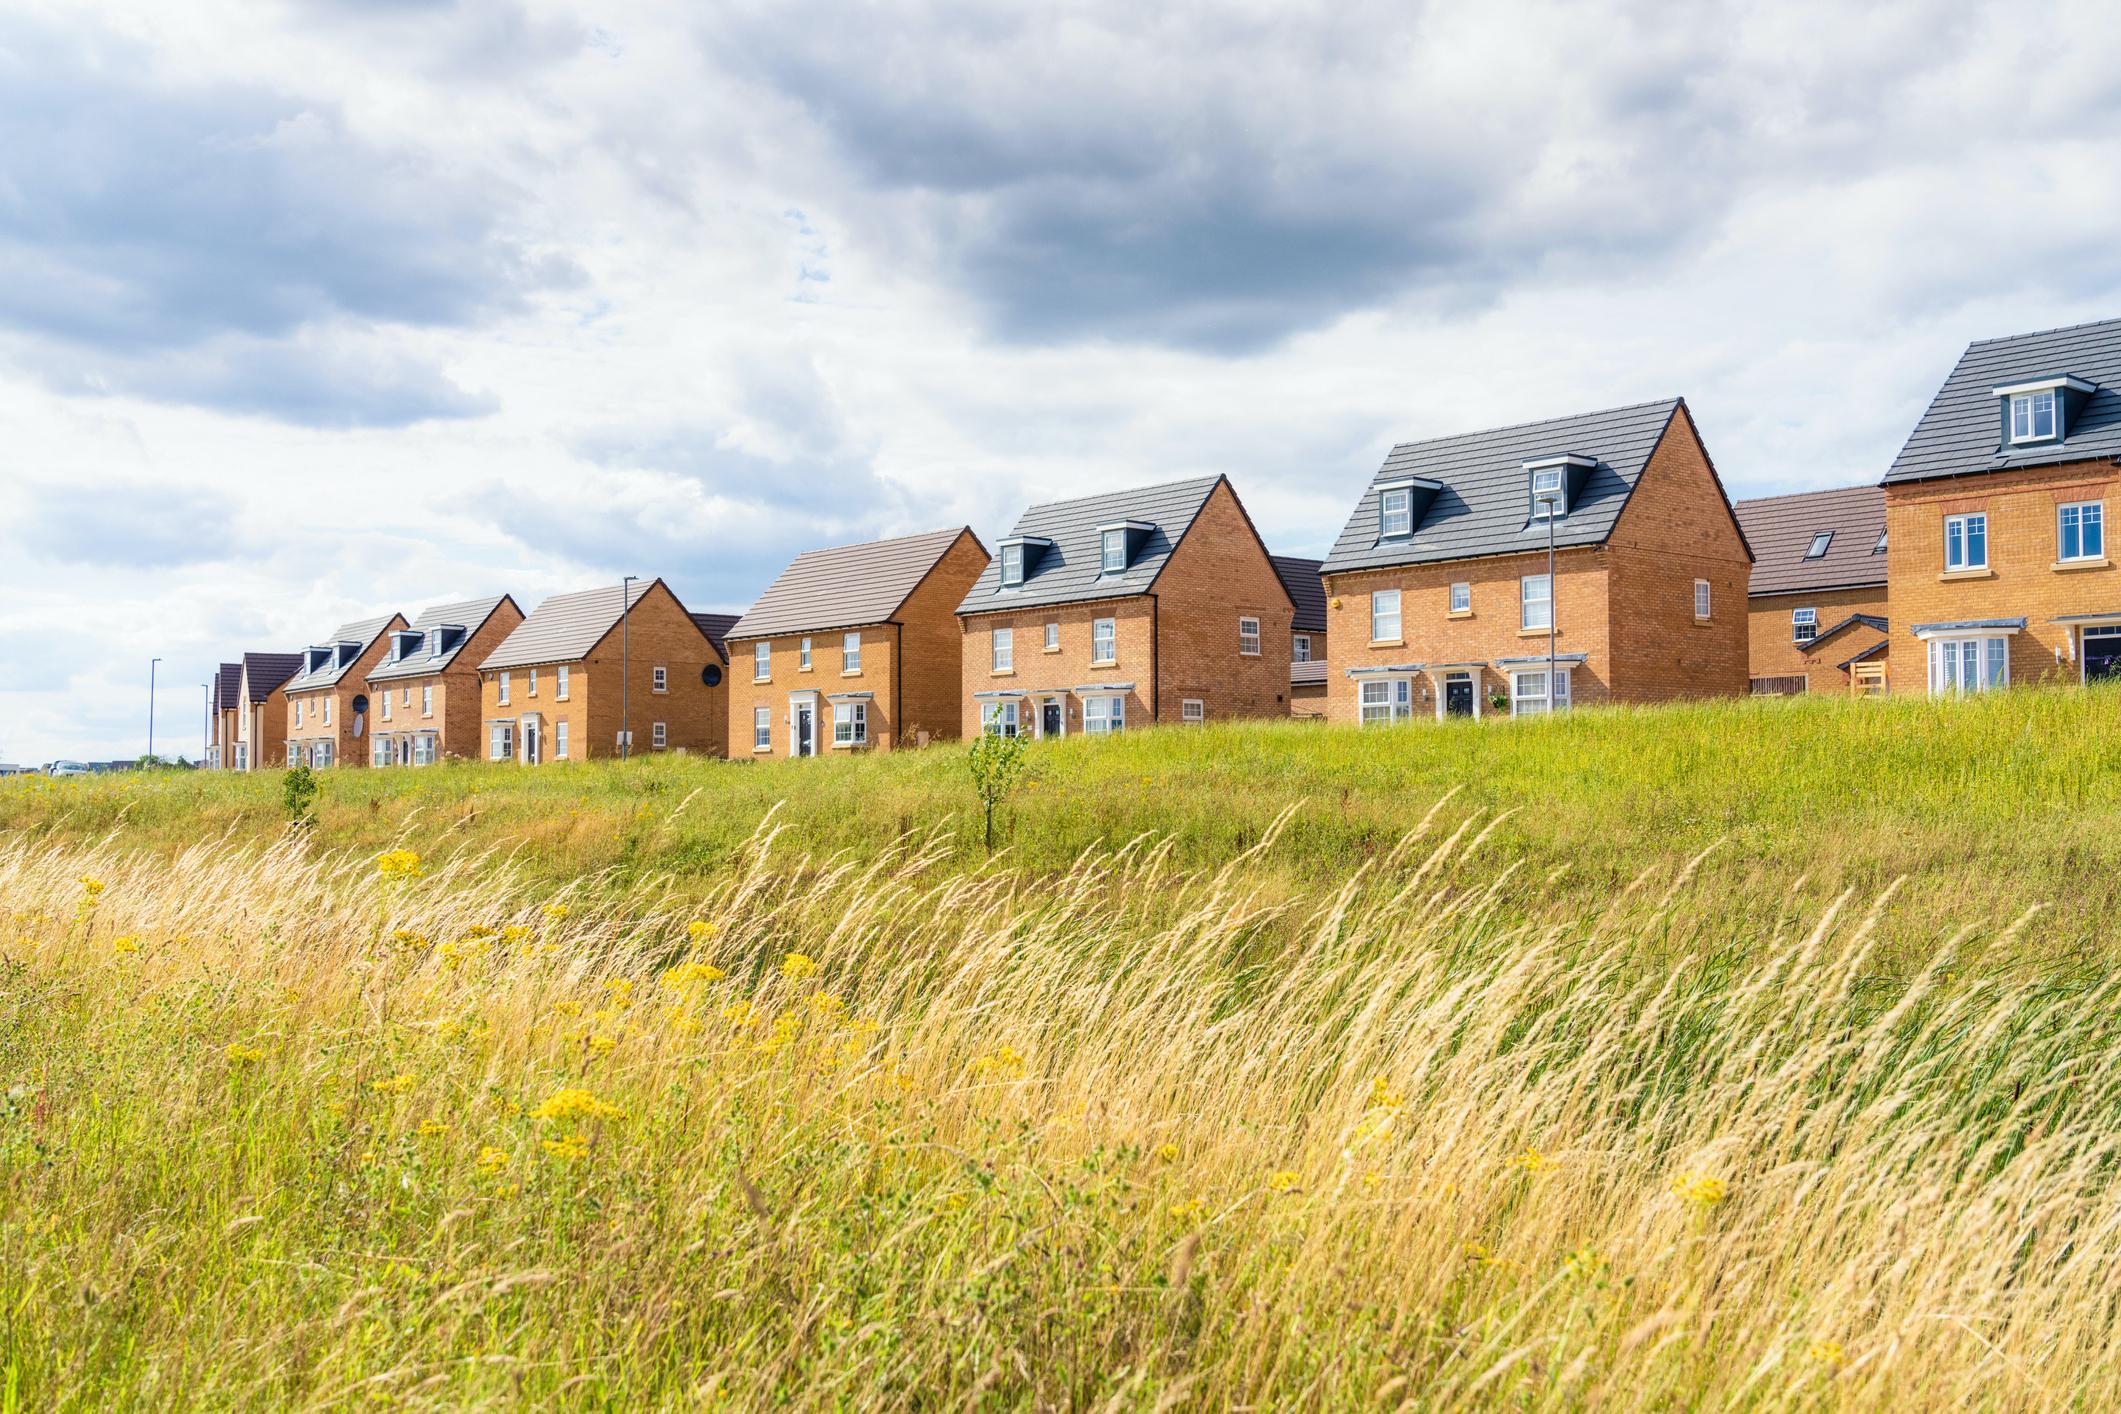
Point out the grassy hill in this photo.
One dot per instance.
(1751, 1054)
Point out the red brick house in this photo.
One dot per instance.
(1997, 567)
(425, 690)
(258, 736)
(1440, 597)
(1307, 634)
(327, 701)
(1816, 608)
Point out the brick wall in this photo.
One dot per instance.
(262, 730)
(347, 749)
(1042, 674)
(878, 675)
(1771, 651)
(540, 695)
(931, 663)
(1217, 574)
(456, 718)
(2022, 578)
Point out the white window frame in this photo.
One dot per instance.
(658, 736)
(1053, 636)
(1247, 637)
(1300, 647)
(1385, 616)
(1012, 566)
(385, 714)
(1804, 625)
(1556, 479)
(1966, 526)
(850, 724)
(1879, 548)
(327, 711)
(2090, 518)
(802, 654)
(1192, 709)
(559, 683)
(1111, 551)
(1104, 643)
(1525, 703)
(1001, 718)
(762, 729)
(500, 741)
(559, 740)
(1822, 541)
(1527, 618)
(1704, 600)
(1987, 656)
(379, 750)
(1395, 513)
(1104, 713)
(298, 711)
(659, 678)
(1462, 597)
(1392, 701)
(762, 660)
(1001, 650)
(530, 683)
(427, 699)
(504, 689)
(850, 654)
(2030, 410)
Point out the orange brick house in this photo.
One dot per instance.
(586, 667)
(221, 714)
(1997, 567)
(258, 736)
(1439, 597)
(327, 701)
(1817, 608)
(1127, 609)
(425, 690)
(1307, 635)
(854, 648)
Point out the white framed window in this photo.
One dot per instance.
(1701, 598)
(762, 729)
(1104, 642)
(1053, 638)
(1528, 691)
(659, 679)
(1969, 664)
(500, 741)
(1103, 715)
(850, 724)
(295, 755)
(1804, 625)
(850, 652)
(321, 753)
(386, 704)
(1547, 481)
(1111, 551)
(1001, 650)
(1384, 615)
(424, 751)
(427, 698)
(1300, 647)
(530, 683)
(761, 660)
(1395, 512)
(504, 690)
(1535, 602)
(802, 654)
(658, 735)
(559, 683)
(2080, 530)
(559, 739)
(327, 711)
(1966, 542)
(298, 711)
(379, 751)
(1384, 701)
(1012, 566)
(1192, 709)
(1248, 637)
(1462, 597)
(1000, 718)
(1817, 549)
(2033, 416)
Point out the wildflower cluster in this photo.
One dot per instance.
(576, 1104)
(398, 864)
(1001, 1063)
(1699, 1191)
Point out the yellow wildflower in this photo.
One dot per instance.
(1284, 1181)
(796, 966)
(396, 1085)
(556, 911)
(129, 942)
(1700, 1190)
(1189, 1210)
(1003, 1063)
(1583, 1263)
(699, 929)
(1828, 1353)
(567, 1008)
(693, 974)
(1384, 1097)
(408, 939)
(240, 1054)
(432, 1129)
(785, 1030)
(515, 932)
(574, 1146)
(491, 1161)
(742, 1015)
(1167, 1152)
(1532, 1161)
(826, 1004)
(602, 1044)
(621, 989)
(576, 1104)
(91, 887)
(398, 864)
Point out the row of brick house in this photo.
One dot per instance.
(1568, 562)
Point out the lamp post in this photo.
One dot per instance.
(625, 669)
(151, 707)
(206, 726)
(1549, 500)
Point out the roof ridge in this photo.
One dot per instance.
(1674, 400)
(1125, 491)
(951, 530)
(2036, 333)
(1822, 491)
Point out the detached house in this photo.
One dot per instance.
(1307, 634)
(1122, 610)
(589, 670)
(1997, 564)
(327, 701)
(1816, 609)
(222, 713)
(855, 647)
(259, 735)
(1440, 599)
(425, 690)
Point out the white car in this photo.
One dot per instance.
(69, 768)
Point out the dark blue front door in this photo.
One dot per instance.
(2102, 653)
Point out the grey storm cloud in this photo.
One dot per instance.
(140, 220)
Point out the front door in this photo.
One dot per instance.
(533, 739)
(2102, 653)
(805, 729)
(1458, 696)
(1052, 722)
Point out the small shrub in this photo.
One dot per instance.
(997, 765)
(299, 790)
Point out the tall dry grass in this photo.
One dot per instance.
(281, 1129)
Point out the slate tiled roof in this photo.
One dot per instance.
(266, 671)
(1781, 528)
(467, 614)
(361, 631)
(1962, 431)
(1300, 577)
(845, 586)
(565, 627)
(716, 627)
(228, 681)
(1067, 571)
(1484, 504)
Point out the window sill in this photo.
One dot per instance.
(1001, 672)
(1983, 573)
(850, 672)
(2067, 566)
(1458, 614)
(756, 680)
(1104, 662)
(1388, 643)
(1700, 622)
(1537, 632)
(1243, 654)
(658, 692)
(762, 750)
(1049, 650)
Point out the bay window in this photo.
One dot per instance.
(1969, 664)
(1386, 700)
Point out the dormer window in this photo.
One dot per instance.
(1551, 483)
(1020, 558)
(2040, 409)
(1111, 551)
(1012, 565)
(1817, 549)
(2033, 416)
(1395, 512)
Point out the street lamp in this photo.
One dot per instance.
(625, 671)
(151, 707)
(206, 726)
(1550, 500)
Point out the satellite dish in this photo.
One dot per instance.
(711, 675)
(360, 703)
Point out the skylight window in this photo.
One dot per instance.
(1817, 550)
(1879, 548)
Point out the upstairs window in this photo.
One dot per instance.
(1012, 565)
(1535, 602)
(659, 682)
(1549, 492)
(504, 690)
(1384, 615)
(1053, 638)
(1395, 513)
(530, 679)
(761, 660)
(1104, 642)
(1300, 647)
(1817, 549)
(1112, 551)
(850, 653)
(2081, 530)
(1701, 598)
(1248, 637)
(1804, 625)
(559, 682)
(802, 654)
(1462, 598)
(2033, 416)
(1002, 653)
(1966, 542)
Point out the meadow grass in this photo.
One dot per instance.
(626, 1088)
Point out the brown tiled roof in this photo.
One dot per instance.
(266, 671)
(845, 586)
(1780, 529)
(228, 681)
(1300, 577)
(566, 626)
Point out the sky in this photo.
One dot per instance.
(316, 309)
